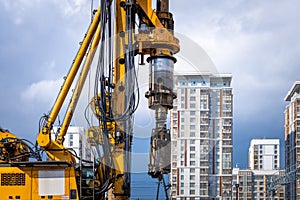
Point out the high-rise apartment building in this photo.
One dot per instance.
(264, 154)
(292, 139)
(201, 128)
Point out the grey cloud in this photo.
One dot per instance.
(38, 43)
(257, 41)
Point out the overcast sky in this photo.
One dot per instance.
(257, 41)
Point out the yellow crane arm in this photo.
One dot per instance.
(78, 88)
(54, 150)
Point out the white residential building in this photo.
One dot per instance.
(264, 154)
(76, 140)
(201, 128)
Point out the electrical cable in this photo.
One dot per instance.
(103, 89)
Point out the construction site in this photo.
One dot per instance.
(128, 61)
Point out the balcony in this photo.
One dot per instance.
(227, 136)
(203, 134)
(227, 142)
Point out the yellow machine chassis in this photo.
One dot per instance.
(36, 180)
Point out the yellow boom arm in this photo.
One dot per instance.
(55, 150)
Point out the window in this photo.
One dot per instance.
(192, 155)
(203, 135)
(192, 148)
(192, 98)
(182, 148)
(182, 133)
(192, 113)
(192, 191)
(203, 142)
(192, 163)
(193, 83)
(192, 141)
(226, 156)
(183, 83)
(203, 185)
(192, 134)
(192, 105)
(192, 170)
(192, 127)
(203, 128)
(192, 184)
(71, 140)
(192, 177)
(182, 184)
(226, 165)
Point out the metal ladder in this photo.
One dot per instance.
(86, 192)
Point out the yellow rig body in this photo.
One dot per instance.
(12, 149)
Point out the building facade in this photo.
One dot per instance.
(201, 128)
(264, 154)
(264, 162)
(75, 139)
(253, 184)
(292, 139)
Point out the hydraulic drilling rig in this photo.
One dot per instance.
(119, 31)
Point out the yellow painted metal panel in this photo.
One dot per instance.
(23, 182)
(12, 184)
